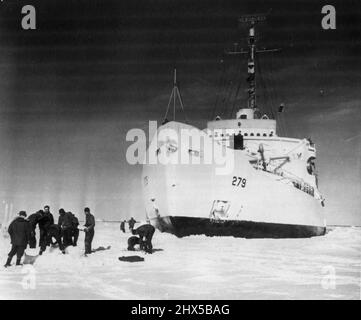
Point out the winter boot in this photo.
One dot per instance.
(18, 262)
(8, 262)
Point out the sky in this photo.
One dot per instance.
(92, 70)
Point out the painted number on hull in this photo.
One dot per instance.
(239, 182)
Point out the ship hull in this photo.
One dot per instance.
(187, 226)
(187, 199)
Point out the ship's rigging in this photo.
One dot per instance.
(231, 82)
(175, 94)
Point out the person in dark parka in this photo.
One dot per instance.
(145, 233)
(74, 230)
(33, 221)
(45, 222)
(89, 230)
(131, 223)
(65, 224)
(19, 231)
(61, 216)
(48, 213)
(122, 226)
(132, 241)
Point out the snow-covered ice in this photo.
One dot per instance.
(195, 267)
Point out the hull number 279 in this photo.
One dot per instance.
(239, 181)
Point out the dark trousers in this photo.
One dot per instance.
(32, 240)
(18, 251)
(146, 242)
(44, 240)
(54, 233)
(66, 234)
(89, 235)
(75, 236)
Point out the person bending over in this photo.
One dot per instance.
(145, 233)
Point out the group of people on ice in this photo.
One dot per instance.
(131, 223)
(65, 233)
(22, 231)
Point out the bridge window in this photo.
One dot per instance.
(251, 134)
(258, 134)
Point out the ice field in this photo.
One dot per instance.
(195, 267)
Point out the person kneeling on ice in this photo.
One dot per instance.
(132, 241)
(145, 233)
(89, 230)
(20, 233)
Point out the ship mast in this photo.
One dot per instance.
(251, 21)
(251, 79)
(173, 97)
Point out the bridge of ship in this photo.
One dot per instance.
(278, 155)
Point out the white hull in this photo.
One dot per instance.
(189, 199)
